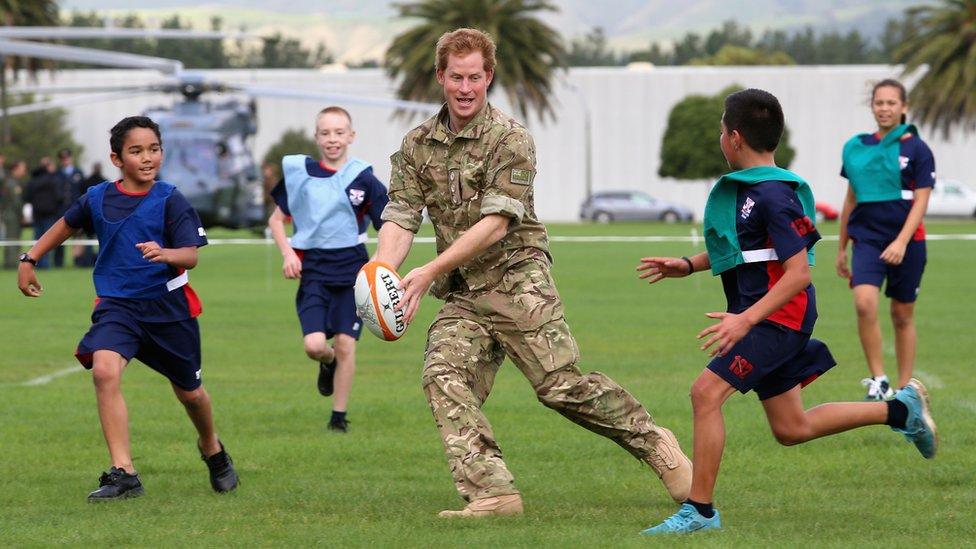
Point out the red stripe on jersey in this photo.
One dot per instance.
(300, 254)
(196, 306)
(790, 315)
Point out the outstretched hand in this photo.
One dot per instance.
(657, 268)
(725, 334)
(414, 286)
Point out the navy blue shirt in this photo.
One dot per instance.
(770, 216)
(880, 222)
(183, 229)
(339, 267)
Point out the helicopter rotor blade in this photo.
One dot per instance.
(279, 93)
(76, 100)
(56, 90)
(65, 33)
(88, 55)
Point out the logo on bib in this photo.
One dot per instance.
(356, 196)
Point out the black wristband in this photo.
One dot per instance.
(691, 267)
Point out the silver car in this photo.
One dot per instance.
(607, 206)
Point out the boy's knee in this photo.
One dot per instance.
(315, 350)
(105, 374)
(902, 317)
(191, 398)
(790, 436)
(345, 347)
(701, 397)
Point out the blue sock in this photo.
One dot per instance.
(337, 417)
(704, 509)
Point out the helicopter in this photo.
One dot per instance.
(208, 142)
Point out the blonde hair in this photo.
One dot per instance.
(334, 110)
(463, 41)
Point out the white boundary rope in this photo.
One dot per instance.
(429, 240)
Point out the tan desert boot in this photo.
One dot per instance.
(509, 504)
(671, 465)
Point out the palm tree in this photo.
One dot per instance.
(28, 13)
(528, 50)
(943, 38)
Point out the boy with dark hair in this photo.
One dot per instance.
(759, 237)
(331, 202)
(148, 237)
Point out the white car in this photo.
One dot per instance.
(952, 198)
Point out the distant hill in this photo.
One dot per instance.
(361, 29)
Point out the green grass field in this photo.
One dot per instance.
(383, 483)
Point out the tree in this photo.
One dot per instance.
(29, 13)
(291, 142)
(38, 134)
(740, 55)
(690, 148)
(944, 41)
(591, 51)
(528, 51)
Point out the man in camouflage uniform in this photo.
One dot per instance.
(471, 166)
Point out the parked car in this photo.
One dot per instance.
(607, 206)
(826, 212)
(952, 198)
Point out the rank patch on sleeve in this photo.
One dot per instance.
(520, 176)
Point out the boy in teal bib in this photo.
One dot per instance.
(759, 236)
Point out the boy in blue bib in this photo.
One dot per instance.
(759, 238)
(148, 237)
(330, 202)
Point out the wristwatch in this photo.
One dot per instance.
(24, 258)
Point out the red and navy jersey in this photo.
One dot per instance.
(769, 215)
(880, 222)
(368, 197)
(183, 229)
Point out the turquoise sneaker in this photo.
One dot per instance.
(919, 427)
(685, 521)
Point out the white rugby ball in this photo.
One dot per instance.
(376, 295)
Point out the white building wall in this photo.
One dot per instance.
(824, 106)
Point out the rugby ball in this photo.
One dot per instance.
(376, 295)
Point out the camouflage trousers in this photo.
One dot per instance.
(521, 317)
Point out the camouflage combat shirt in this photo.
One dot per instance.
(487, 168)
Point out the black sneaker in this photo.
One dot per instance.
(326, 377)
(339, 425)
(223, 478)
(116, 484)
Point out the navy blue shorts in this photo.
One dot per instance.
(772, 359)
(170, 348)
(329, 309)
(903, 280)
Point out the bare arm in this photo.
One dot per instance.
(488, 230)
(183, 258)
(292, 266)
(54, 237)
(895, 252)
(658, 268)
(850, 201)
(733, 327)
(394, 244)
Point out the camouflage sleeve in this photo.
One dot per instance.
(406, 198)
(511, 171)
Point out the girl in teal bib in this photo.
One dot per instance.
(891, 174)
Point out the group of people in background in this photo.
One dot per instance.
(49, 188)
